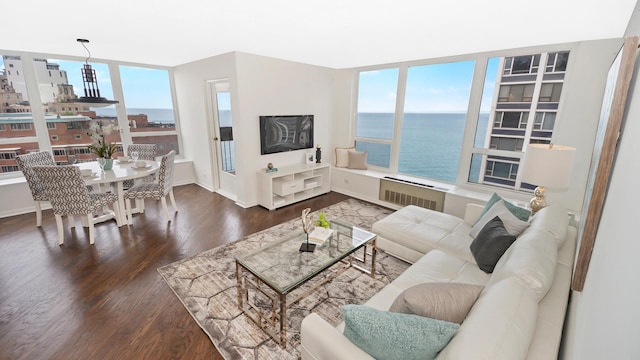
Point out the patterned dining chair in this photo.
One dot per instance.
(145, 152)
(26, 163)
(158, 189)
(69, 196)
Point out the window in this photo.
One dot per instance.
(434, 99)
(434, 117)
(59, 152)
(517, 119)
(376, 114)
(9, 168)
(150, 114)
(59, 82)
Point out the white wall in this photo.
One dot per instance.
(195, 124)
(268, 86)
(603, 318)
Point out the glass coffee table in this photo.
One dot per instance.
(280, 267)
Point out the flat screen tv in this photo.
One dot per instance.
(280, 133)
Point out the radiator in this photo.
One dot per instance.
(402, 192)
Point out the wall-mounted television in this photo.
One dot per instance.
(280, 133)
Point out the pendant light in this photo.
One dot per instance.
(91, 96)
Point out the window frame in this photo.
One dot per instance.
(469, 151)
(38, 110)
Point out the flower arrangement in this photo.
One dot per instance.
(97, 132)
(322, 221)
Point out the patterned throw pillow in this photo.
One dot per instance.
(391, 336)
(521, 213)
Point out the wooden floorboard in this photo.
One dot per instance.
(107, 301)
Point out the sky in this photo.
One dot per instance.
(436, 88)
(143, 87)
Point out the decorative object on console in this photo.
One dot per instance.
(307, 226)
(91, 96)
(318, 153)
(546, 165)
(270, 168)
(309, 157)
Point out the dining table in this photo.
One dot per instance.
(121, 171)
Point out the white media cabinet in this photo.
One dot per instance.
(291, 184)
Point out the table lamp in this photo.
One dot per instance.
(546, 165)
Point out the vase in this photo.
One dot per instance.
(105, 164)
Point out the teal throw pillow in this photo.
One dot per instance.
(521, 213)
(390, 336)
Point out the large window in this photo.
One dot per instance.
(41, 113)
(519, 102)
(518, 118)
(435, 111)
(376, 115)
(150, 115)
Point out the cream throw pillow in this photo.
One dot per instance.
(342, 156)
(511, 222)
(442, 301)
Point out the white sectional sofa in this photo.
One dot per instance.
(518, 315)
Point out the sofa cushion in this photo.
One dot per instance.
(441, 301)
(532, 258)
(512, 223)
(492, 241)
(387, 335)
(553, 219)
(522, 213)
(423, 230)
(500, 325)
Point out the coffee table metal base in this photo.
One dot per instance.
(273, 322)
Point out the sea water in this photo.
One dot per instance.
(430, 146)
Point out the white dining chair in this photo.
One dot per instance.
(68, 194)
(158, 189)
(26, 163)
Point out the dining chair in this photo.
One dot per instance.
(26, 163)
(145, 152)
(68, 194)
(158, 189)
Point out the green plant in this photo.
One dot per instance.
(322, 221)
(100, 146)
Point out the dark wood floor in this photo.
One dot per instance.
(107, 301)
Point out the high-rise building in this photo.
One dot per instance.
(525, 105)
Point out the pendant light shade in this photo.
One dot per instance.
(91, 96)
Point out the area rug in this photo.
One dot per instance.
(206, 285)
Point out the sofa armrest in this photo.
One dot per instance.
(320, 340)
(472, 213)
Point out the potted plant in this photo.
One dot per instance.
(100, 146)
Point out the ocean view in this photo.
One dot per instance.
(431, 142)
(154, 115)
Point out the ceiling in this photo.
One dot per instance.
(331, 33)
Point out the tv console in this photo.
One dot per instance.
(291, 184)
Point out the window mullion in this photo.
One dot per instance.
(121, 110)
(397, 122)
(35, 102)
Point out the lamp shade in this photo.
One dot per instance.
(547, 165)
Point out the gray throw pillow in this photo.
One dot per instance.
(492, 241)
(443, 301)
